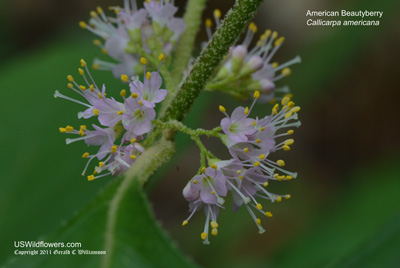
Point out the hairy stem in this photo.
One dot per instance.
(192, 17)
(225, 36)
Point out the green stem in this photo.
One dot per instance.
(176, 125)
(225, 36)
(192, 18)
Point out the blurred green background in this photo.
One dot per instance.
(344, 210)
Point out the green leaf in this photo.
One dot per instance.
(381, 250)
(118, 220)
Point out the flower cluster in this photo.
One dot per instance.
(250, 142)
(133, 33)
(245, 70)
(123, 124)
(136, 37)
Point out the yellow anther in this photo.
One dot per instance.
(262, 156)
(140, 103)
(161, 57)
(289, 114)
(214, 166)
(288, 177)
(279, 41)
(96, 112)
(259, 221)
(82, 87)
(99, 10)
(82, 24)
(257, 163)
(82, 133)
(246, 150)
(114, 148)
(276, 175)
(288, 196)
(275, 64)
(132, 156)
(241, 177)
(214, 231)
(184, 223)
(222, 109)
(208, 23)
(124, 77)
(83, 63)
(203, 170)
(81, 72)
(123, 93)
(265, 184)
(133, 140)
(62, 130)
(295, 109)
(101, 164)
(116, 10)
(104, 51)
(286, 148)
(285, 100)
(134, 95)
(280, 163)
(259, 206)
(278, 198)
(253, 27)
(217, 13)
(262, 129)
(90, 177)
(93, 14)
(275, 109)
(268, 214)
(120, 112)
(194, 181)
(239, 172)
(214, 224)
(95, 172)
(267, 33)
(143, 61)
(274, 35)
(246, 111)
(69, 129)
(97, 42)
(95, 66)
(290, 132)
(70, 85)
(258, 140)
(148, 75)
(99, 95)
(85, 155)
(256, 94)
(82, 127)
(289, 141)
(212, 192)
(203, 236)
(281, 178)
(290, 104)
(70, 78)
(286, 71)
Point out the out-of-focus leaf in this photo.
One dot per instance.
(360, 210)
(137, 240)
(381, 250)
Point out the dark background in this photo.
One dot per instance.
(346, 151)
